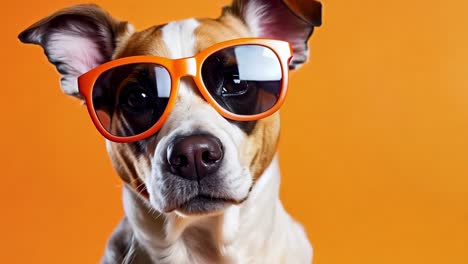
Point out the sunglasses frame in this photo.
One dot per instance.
(178, 68)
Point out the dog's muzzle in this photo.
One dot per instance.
(197, 174)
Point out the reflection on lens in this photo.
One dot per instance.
(244, 79)
(130, 99)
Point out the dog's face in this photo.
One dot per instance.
(199, 162)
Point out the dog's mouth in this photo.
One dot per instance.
(199, 204)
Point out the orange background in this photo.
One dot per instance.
(374, 149)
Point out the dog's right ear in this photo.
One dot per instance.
(289, 20)
(77, 39)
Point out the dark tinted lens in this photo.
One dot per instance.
(244, 79)
(130, 99)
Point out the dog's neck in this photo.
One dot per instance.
(239, 234)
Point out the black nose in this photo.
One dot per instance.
(195, 157)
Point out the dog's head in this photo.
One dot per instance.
(198, 162)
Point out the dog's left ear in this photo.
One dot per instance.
(77, 39)
(289, 20)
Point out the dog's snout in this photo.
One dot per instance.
(195, 157)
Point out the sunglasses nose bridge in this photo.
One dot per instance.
(186, 67)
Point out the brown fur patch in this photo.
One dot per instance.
(146, 42)
(123, 35)
(225, 28)
(260, 146)
(131, 169)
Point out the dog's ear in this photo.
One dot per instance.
(289, 20)
(77, 39)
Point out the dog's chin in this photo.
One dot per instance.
(204, 205)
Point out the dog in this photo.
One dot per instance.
(197, 154)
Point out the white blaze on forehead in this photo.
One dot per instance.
(179, 38)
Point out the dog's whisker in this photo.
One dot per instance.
(134, 180)
(140, 192)
(154, 213)
(140, 185)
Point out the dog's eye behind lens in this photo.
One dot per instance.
(135, 98)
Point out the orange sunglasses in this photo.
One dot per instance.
(130, 98)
